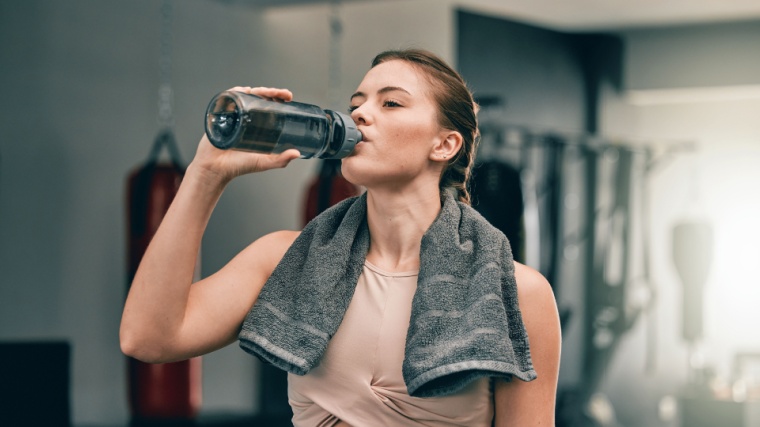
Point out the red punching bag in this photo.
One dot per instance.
(326, 189)
(163, 390)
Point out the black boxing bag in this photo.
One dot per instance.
(497, 194)
(163, 390)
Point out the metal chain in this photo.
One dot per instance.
(336, 31)
(165, 93)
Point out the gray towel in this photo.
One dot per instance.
(465, 321)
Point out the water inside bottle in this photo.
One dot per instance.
(277, 131)
(252, 124)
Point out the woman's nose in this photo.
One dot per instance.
(359, 115)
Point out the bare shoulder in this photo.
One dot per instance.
(533, 288)
(521, 403)
(538, 307)
(269, 249)
(278, 241)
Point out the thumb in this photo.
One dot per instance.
(284, 158)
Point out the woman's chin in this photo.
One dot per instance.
(358, 171)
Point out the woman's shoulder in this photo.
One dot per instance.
(532, 402)
(267, 251)
(533, 289)
(281, 238)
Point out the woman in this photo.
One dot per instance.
(418, 124)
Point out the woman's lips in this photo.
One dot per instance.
(363, 138)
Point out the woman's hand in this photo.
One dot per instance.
(224, 165)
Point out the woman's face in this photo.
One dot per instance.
(394, 110)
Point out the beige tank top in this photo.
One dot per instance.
(359, 380)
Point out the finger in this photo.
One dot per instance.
(244, 89)
(266, 92)
(282, 159)
(273, 93)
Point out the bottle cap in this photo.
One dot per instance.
(351, 135)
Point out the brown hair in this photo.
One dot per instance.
(456, 111)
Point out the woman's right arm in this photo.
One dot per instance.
(166, 317)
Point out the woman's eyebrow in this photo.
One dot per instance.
(381, 91)
(392, 89)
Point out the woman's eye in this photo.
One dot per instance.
(387, 103)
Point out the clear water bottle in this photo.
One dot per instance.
(241, 121)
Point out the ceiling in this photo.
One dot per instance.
(589, 14)
(617, 14)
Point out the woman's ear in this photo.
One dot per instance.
(447, 147)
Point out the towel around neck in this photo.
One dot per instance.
(465, 321)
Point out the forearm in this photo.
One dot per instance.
(158, 296)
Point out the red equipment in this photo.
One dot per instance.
(164, 390)
(327, 189)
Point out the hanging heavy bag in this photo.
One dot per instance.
(497, 194)
(328, 188)
(164, 390)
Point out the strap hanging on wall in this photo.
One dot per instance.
(165, 139)
(165, 92)
(165, 117)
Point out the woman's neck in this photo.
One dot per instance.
(397, 221)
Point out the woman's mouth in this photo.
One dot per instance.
(363, 137)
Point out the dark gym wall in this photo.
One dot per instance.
(534, 70)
